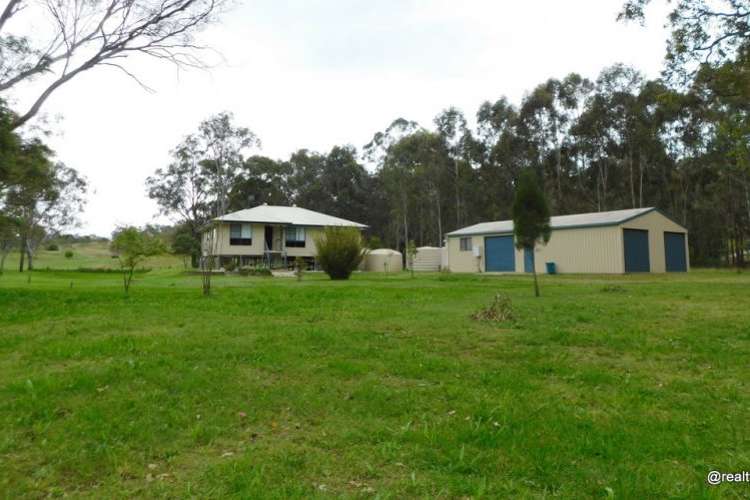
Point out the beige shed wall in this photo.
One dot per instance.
(586, 250)
(597, 250)
(465, 262)
(657, 224)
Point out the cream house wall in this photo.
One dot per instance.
(223, 248)
(310, 249)
(656, 224)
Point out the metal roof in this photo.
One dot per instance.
(293, 216)
(593, 219)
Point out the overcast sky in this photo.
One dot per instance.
(317, 73)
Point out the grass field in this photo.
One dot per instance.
(625, 387)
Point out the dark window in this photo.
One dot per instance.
(295, 237)
(240, 234)
(466, 244)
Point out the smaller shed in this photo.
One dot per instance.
(428, 259)
(384, 260)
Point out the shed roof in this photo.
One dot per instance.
(296, 216)
(593, 219)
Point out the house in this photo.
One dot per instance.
(622, 241)
(268, 234)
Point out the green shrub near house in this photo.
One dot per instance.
(340, 251)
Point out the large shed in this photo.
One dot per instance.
(621, 241)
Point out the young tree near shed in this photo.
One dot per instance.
(530, 217)
(411, 254)
(133, 246)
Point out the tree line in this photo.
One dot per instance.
(679, 142)
(619, 141)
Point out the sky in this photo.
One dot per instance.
(318, 73)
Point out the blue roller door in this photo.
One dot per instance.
(674, 252)
(528, 260)
(500, 255)
(636, 251)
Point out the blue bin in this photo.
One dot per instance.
(551, 268)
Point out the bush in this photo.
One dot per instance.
(340, 251)
(500, 310)
(229, 266)
(53, 247)
(68, 254)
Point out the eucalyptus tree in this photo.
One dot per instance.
(46, 197)
(182, 189)
(494, 151)
(545, 119)
(306, 180)
(8, 238)
(414, 174)
(706, 32)
(261, 180)
(76, 37)
(223, 147)
(347, 182)
(375, 151)
(453, 130)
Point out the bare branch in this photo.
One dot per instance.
(10, 10)
(91, 34)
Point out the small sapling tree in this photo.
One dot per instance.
(133, 246)
(530, 217)
(299, 267)
(411, 254)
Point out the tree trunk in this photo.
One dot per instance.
(439, 220)
(458, 195)
(533, 269)
(30, 256)
(632, 179)
(22, 252)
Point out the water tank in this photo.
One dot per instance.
(384, 260)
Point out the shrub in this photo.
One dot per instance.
(500, 310)
(230, 266)
(68, 254)
(340, 251)
(53, 247)
(255, 271)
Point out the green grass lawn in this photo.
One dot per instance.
(379, 386)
